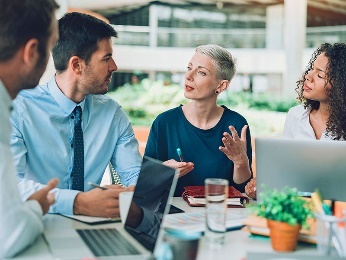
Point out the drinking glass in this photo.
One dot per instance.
(331, 235)
(216, 194)
(183, 244)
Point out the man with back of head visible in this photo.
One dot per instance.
(28, 31)
(73, 127)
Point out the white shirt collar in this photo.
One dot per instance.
(5, 96)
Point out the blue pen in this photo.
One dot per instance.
(180, 155)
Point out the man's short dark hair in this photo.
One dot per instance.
(79, 35)
(22, 20)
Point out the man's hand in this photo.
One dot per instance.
(44, 197)
(183, 167)
(250, 188)
(98, 202)
(116, 186)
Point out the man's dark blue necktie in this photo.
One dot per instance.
(78, 146)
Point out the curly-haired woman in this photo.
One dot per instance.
(322, 94)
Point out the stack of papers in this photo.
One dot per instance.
(196, 221)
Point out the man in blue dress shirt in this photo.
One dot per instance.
(43, 123)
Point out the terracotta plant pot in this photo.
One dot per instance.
(283, 236)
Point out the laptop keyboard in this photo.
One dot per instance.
(107, 242)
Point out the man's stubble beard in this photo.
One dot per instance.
(93, 86)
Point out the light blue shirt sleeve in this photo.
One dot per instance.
(42, 142)
(64, 198)
(125, 157)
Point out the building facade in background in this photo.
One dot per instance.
(272, 40)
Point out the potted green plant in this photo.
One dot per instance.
(286, 212)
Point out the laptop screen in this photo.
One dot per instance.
(304, 164)
(154, 190)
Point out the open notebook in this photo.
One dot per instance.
(195, 197)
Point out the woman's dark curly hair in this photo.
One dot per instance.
(336, 76)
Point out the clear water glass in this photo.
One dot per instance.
(216, 194)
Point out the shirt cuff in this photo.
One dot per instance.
(64, 202)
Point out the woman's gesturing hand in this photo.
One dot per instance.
(234, 147)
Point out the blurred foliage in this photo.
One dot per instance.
(149, 98)
(284, 205)
(258, 101)
(142, 102)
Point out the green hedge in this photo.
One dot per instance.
(257, 101)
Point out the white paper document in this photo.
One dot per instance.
(196, 221)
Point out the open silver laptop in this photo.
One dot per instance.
(154, 191)
(304, 164)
